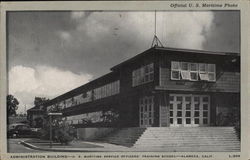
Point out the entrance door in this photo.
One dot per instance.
(146, 106)
(189, 110)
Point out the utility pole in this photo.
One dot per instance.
(156, 42)
(50, 129)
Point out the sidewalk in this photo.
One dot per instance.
(74, 146)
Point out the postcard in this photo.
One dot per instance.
(124, 80)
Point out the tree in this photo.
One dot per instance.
(40, 100)
(12, 105)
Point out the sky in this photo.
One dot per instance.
(50, 53)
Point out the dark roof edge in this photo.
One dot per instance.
(176, 49)
(198, 51)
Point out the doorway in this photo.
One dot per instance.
(189, 110)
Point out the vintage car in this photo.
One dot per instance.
(19, 130)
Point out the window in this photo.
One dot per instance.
(188, 121)
(175, 70)
(107, 90)
(207, 72)
(196, 121)
(74, 102)
(203, 71)
(143, 75)
(193, 71)
(98, 93)
(68, 102)
(188, 114)
(185, 73)
(78, 119)
(61, 105)
(211, 72)
(188, 106)
(179, 121)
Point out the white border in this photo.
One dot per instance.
(243, 6)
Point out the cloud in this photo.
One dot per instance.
(190, 32)
(25, 83)
(175, 29)
(93, 42)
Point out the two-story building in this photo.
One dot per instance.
(160, 87)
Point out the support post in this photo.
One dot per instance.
(50, 130)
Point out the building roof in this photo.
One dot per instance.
(180, 50)
(35, 108)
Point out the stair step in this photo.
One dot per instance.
(190, 144)
(123, 136)
(189, 139)
(176, 138)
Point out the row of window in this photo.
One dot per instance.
(79, 119)
(107, 90)
(98, 93)
(179, 71)
(193, 71)
(197, 121)
(93, 117)
(143, 75)
(189, 98)
(188, 114)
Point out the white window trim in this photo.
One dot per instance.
(182, 64)
(206, 72)
(212, 73)
(185, 77)
(200, 75)
(196, 71)
(178, 70)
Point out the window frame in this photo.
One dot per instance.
(185, 71)
(139, 75)
(201, 71)
(175, 70)
(211, 72)
(194, 71)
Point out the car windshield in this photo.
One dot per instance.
(18, 126)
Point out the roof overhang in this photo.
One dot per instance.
(177, 50)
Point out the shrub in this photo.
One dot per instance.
(231, 118)
(63, 136)
(61, 132)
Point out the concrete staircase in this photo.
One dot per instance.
(188, 139)
(123, 136)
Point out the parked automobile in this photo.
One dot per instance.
(19, 130)
(35, 129)
(36, 132)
